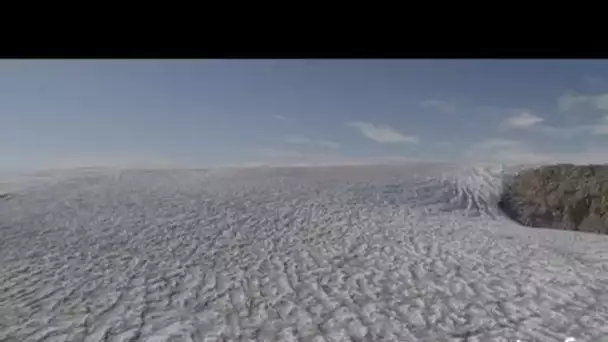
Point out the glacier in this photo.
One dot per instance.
(415, 252)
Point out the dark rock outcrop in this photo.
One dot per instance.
(564, 196)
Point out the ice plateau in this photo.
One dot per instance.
(357, 253)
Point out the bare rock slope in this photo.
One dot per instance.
(563, 196)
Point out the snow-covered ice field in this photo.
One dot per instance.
(357, 253)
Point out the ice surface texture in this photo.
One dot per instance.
(365, 253)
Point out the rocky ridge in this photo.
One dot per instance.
(562, 196)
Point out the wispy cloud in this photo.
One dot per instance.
(328, 144)
(598, 128)
(572, 101)
(439, 105)
(601, 101)
(594, 81)
(521, 121)
(302, 140)
(601, 128)
(283, 118)
(504, 150)
(443, 144)
(273, 152)
(568, 101)
(562, 132)
(495, 143)
(383, 134)
(271, 157)
(534, 123)
(297, 140)
(115, 161)
(514, 151)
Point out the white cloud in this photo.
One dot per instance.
(562, 132)
(297, 140)
(589, 156)
(276, 156)
(326, 159)
(600, 128)
(571, 101)
(568, 101)
(329, 144)
(283, 118)
(513, 151)
(503, 150)
(440, 105)
(112, 161)
(522, 120)
(498, 143)
(312, 154)
(601, 101)
(383, 134)
(442, 143)
(272, 152)
(594, 81)
(301, 140)
(526, 120)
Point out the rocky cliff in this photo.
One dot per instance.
(564, 196)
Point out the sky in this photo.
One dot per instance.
(206, 113)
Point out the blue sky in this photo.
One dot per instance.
(199, 113)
